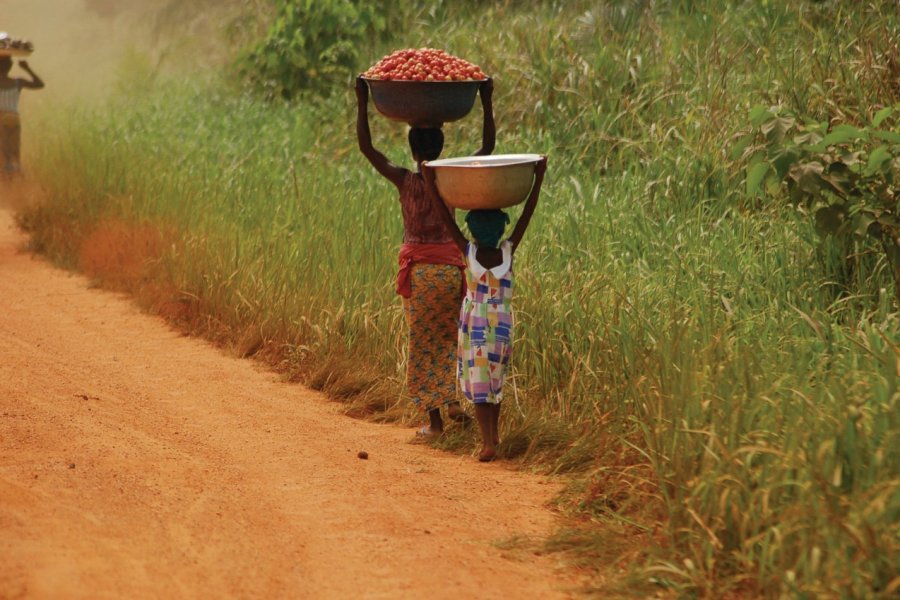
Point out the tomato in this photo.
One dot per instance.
(424, 64)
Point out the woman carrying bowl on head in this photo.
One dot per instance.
(10, 129)
(430, 278)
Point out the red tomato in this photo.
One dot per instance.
(424, 64)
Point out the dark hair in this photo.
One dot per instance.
(487, 225)
(6, 63)
(426, 143)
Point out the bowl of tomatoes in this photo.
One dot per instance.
(484, 182)
(425, 87)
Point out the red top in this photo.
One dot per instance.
(421, 223)
(425, 236)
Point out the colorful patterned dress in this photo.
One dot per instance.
(485, 327)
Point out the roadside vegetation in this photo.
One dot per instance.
(710, 352)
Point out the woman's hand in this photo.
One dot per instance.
(486, 89)
(489, 128)
(24, 64)
(386, 168)
(362, 90)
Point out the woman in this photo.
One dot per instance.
(430, 278)
(10, 129)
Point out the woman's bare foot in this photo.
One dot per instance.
(435, 426)
(427, 432)
(487, 455)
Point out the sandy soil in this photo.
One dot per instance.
(138, 463)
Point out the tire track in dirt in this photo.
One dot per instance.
(135, 462)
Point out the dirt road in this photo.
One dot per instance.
(138, 463)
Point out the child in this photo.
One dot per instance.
(485, 319)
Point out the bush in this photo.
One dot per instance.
(311, 45)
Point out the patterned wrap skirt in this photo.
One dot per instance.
(10, 136)
(432, 313)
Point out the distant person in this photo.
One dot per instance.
(10, 128)
(430, 278)
(485, 319)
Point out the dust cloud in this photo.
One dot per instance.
(84, 49)
(79, 44)
(82, 46)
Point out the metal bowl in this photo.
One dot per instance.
(423, 103)
(10, 46)
(484, 182)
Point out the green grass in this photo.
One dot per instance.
(700, 360)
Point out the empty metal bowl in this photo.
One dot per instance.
(484, 182)
(423, 103)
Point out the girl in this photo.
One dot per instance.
(429, 279)
(485, 319)
(10, 130)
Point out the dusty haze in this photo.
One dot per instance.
(84, 48)
(77, 49)
(81, 45)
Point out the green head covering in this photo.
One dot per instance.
(487, 225)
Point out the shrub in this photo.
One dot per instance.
(311, 45)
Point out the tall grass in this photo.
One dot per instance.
(686, 349)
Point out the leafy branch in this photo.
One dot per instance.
(845, 177)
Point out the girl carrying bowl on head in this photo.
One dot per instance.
(430, 279)
(485, 319)
(10, 128)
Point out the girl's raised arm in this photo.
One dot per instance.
(489, 129)
(36, 82)
(458, 238)
(522, 224)
(381, 163)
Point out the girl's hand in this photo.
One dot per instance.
(428, 174)
(23, 64)
(540, 167)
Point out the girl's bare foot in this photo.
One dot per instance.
(487, 455)
(456, 413)
(495, 423)
(484, 413)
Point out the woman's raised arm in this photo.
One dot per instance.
(381, 163)
(489, 128)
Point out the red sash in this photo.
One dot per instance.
(445, 253)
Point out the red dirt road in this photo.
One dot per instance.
(138, 463)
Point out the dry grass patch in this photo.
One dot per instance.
(122, 256)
